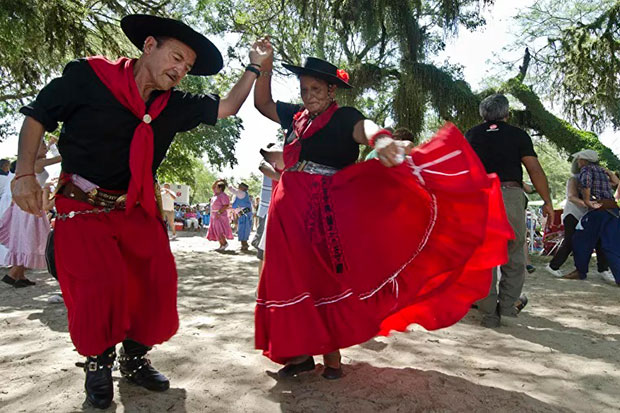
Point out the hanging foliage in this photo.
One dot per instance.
(577, 66)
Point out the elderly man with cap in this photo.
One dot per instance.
(574, 209)
(601, 222)
(113, 259)
(503, 148)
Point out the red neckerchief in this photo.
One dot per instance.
(304, 127)
(118, 77)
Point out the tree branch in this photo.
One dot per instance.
(526, 63)
(14, 96)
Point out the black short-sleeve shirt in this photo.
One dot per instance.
(97, 129)
(500, 147)
(333, 145)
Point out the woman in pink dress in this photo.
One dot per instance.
(24, 235)
(219, 227)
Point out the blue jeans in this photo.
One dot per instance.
(603, 225)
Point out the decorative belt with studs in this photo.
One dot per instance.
(97, 197)
(72, 214)
(313, 168)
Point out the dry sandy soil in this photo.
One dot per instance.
(562, 354)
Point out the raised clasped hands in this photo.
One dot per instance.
(262, 53)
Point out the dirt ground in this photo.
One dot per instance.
(562, 354)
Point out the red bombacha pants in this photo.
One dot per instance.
(118, 277)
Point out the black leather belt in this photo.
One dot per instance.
(511, 184)
(96, 197)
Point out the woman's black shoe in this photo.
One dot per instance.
(331, 373)
(291, 370)
(136, 368)
(24, 282)
(8, 280)
(98, 385)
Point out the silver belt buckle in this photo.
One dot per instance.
(302, 166)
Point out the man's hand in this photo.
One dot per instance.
(548, 212)
(389, 152)
(28, 195)
(261, 53)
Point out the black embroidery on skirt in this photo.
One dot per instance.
(312, 217)
(329, 224)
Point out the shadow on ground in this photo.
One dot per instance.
(415, 390)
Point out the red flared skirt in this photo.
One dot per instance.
(373, 249)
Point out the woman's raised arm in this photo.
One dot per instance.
(262, 90)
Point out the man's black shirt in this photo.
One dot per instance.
(97, 129)
(500, 147)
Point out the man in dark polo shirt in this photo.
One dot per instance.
(113, 259)
(502, 148)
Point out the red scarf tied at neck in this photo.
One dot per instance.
(118, 77)
(304, 127)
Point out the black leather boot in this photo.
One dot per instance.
(136, 368)
(98, 385)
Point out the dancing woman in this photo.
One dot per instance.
(219, 225)
(24, 235)
(337, 273)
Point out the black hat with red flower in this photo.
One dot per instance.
(322, 69)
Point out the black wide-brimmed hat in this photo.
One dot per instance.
(320, 68)
(137, 27)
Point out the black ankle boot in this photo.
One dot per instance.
(136, 368)
(98, 385)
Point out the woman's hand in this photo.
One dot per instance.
(273, 156)
(390, 152)
(261, 54)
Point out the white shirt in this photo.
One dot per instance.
(3, 181)
(237, 192)
(167, 199)
(572, 209)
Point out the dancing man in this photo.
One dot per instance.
(113, 259)
(601, 222)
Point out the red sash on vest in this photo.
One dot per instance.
(119, 79)
(304, 127)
